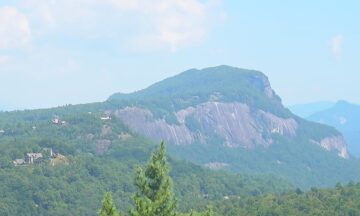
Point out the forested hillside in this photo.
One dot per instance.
(341, 200)
(93, 154)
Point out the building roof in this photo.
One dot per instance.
(19, 161)
(34, 155)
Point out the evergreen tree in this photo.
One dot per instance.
(209, 211)
(154, 196)
(108, 208)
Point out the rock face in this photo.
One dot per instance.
(262, 82)
(142, 121)
(235, 123)
(335, 143)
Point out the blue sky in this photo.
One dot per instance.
(57, 52)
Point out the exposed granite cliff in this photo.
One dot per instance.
(335, 143)
(235, 123)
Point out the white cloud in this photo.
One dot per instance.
(140, 24)
(14, 29)
(174, 23)
(336, 46)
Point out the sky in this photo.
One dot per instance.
(57, 52)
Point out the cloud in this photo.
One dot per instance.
(336, 46)
(174, 23)
(138, 24)
(14, 29)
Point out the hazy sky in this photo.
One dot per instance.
(55, 52)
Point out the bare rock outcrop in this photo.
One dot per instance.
(142, 121)
(334, 143)
(235, 123)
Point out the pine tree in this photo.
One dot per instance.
(154, 196)
(209, 211)
(108, 208)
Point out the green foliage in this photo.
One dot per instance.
(43, 189)
(154, 196)
(342, 200)
(302, 163)
(108, 208)
(209, 211)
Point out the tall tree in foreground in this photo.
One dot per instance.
(154, 196)
(108, 207)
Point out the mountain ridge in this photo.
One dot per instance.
(232, 117)
(344, 116)
(245, 94)
(232, 121)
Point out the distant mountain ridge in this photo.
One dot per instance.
(220, 114)
(345, 117)
(307, 109)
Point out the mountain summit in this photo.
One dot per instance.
(235, 107)
(230, 118)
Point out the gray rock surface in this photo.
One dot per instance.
(235, 123)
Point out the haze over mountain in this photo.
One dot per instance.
(345, 117)
(307, 109)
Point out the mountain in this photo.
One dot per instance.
(305, 110)
(228, 123)
(345, 117)
(232, 118)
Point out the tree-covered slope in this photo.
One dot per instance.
(195, 86)
(94, 156)
(341, 200)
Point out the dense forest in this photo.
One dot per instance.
(154, 197)
(94, 156)
(341, 200)
(76, 186)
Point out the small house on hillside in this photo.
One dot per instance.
(30, 158)
(105, 118)
(46, 154)
(19, 162)
(58, 121)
